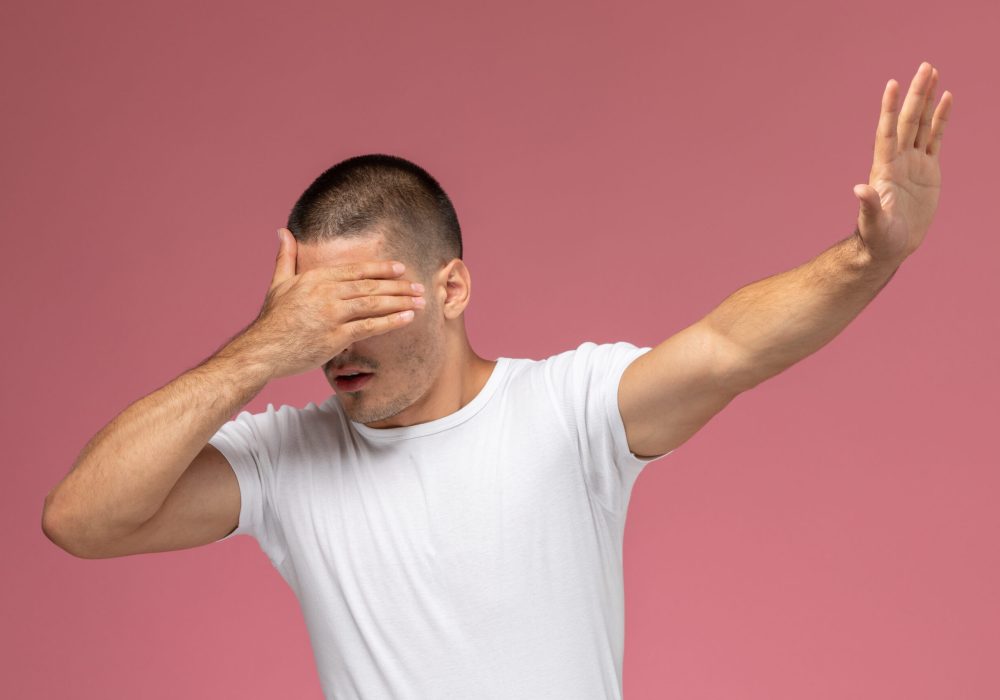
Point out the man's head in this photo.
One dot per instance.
(386, 208)
(386, 193)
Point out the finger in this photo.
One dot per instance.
(913, 107)
(379, 269)
(885, 134)
(369, 286)
(923, 133)
(284, 266)
(375, 325)
(937, 126)
(360, 307)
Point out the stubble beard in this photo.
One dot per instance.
(368, 409)
(362, 412)
(424, 353)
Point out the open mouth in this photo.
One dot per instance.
(352, 382)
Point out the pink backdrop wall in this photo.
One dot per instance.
(618, 171)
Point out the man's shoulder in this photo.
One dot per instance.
(589, 352)
(287, 411)
(573, 369)
(273, 421)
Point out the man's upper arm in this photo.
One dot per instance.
(202, 507)
(667, 394)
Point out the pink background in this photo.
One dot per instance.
(618, 171)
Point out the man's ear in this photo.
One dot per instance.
(454, 283)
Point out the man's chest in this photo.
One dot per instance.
(463, 513)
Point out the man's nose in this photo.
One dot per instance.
(341, 356)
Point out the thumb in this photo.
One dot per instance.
(871, 203)
(284, 267)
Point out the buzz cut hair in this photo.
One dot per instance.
(375, 193)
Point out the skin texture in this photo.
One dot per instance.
(425, 369)
(901, 197)
(763, 328)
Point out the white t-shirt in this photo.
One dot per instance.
(474, 556)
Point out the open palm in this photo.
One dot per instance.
(899, 201)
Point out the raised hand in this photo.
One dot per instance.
(309, 318)
(899, 201)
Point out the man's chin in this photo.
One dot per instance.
(370, 414)
(357, 414)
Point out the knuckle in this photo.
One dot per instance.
(359, 287)
(356, 330)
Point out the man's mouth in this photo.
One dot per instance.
(353, 381)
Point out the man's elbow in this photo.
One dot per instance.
(56, 532)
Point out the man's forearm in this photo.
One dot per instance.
(773, 323)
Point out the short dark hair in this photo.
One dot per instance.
(376, 189)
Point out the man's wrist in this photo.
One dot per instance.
(867, 261)
(246, 360)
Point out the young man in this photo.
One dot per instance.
(452, 525)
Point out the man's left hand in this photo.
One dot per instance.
(899, 201)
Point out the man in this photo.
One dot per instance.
(452, 525)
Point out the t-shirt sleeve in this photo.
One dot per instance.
(586, 383)
(249, 443)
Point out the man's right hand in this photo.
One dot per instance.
(309, 318)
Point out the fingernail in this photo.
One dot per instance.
(398, 268)
(419, 302)
(417, 287)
